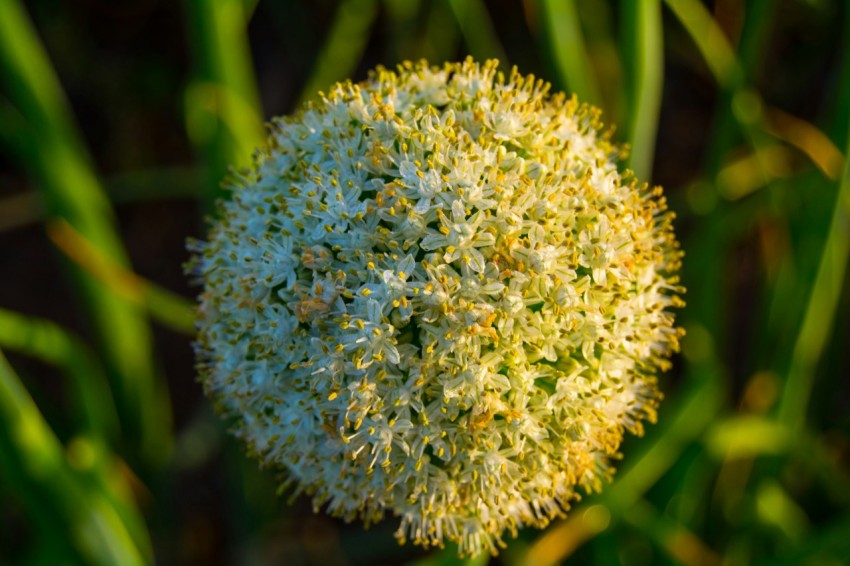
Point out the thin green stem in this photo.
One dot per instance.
(572, 63)
(223, 110)
(709, 39)
(165, 306)
(645, 50)
(820, 310)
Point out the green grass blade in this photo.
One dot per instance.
(53, 345)
(478, 31)
(737, 102)
(572, 63)
(57, 161)
(34, 461)
(758, 16)
(749, 436)
(709, 39)
(820, 310)
(644, 51)
(223, 110)
(343, 48)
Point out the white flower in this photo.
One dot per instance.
(435, 298)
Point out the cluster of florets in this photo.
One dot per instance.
(435, 297)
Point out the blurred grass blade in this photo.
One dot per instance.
(343, 48)
(562, 539)
(223, 110)
(35, 464)
(644, 63)
(748, 437)
(214, 110)
(53, 345)
(572, 63)
(806, 137)
(727, 69)
(170, 309)
(709, 39)
(478, 31)
(819, 315)
(745, 175)
(820, 310)
(58, 162)
(776, 507)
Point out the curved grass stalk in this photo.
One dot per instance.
(710, 40)
(165, 306)
(50, 343)
(807, 138)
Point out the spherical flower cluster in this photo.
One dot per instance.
(435, 297)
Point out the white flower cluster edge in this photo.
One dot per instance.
(435, 297)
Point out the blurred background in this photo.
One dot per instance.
(118, 122)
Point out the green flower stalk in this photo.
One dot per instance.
(435, 297)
